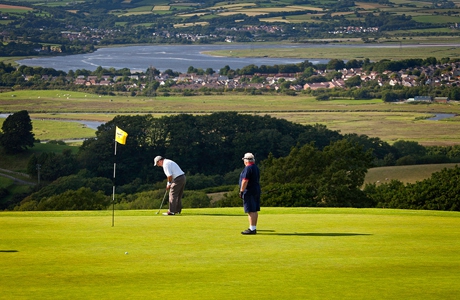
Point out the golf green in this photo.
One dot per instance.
(298, 253)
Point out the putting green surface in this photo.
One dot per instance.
(298, 253)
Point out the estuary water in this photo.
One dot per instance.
(180, 57)
(175, 57)
(438, 117)
(90, 124)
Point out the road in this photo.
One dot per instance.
(16, 180)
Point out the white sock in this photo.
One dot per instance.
(252, 227)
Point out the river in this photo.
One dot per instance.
(90, 124)
(438, 117)
(177, 58)
(180, 57)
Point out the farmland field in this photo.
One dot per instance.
(390, 122)
(383, 51)
(13, 8)
(405, 174)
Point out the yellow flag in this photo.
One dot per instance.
(120, 136)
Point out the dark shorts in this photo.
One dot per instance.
(251, 203)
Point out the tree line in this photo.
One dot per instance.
(301, 165)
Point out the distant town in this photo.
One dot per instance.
(439, 75)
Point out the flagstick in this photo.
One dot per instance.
(113, 189)
(120, 137)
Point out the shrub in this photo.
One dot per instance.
(81, 199)
(55, 142)
(231, 199)
(288, 195)
(193, 199)
(27, 206)
(142, 200)
(201, 181)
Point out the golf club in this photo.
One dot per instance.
(164, 197)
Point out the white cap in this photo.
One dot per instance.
(248, 156)
(157, 159)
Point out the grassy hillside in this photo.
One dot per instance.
(406, 174)
(297, 253)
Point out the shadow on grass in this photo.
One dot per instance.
(9, 251)
(272, 232)
(217, 215)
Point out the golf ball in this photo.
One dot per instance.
(126, 252)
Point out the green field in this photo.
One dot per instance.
(406, 174)
(298, 253)
(389, 122)
(387, 49)
(48, 130)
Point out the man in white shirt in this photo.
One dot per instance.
(175, 185)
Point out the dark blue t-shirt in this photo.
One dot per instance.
(251, 173)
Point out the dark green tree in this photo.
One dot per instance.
(346, 165)
(134, 159)
(333, 176)
(405, 148)
(52, 165)
(17, 135)
(439, 192)
(335, 64)
(353, 81)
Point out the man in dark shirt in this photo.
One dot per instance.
(250, 192)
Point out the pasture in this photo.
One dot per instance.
(14, 8)
(387, 48)
(50, 129)
(308, 12)
(405, 174)
(298, 253)
(389, 122)
(295, 12)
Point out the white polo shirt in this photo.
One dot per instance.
(172, 169)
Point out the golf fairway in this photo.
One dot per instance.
(298, 253)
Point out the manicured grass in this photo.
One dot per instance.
(298, 253)
(406, 174)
